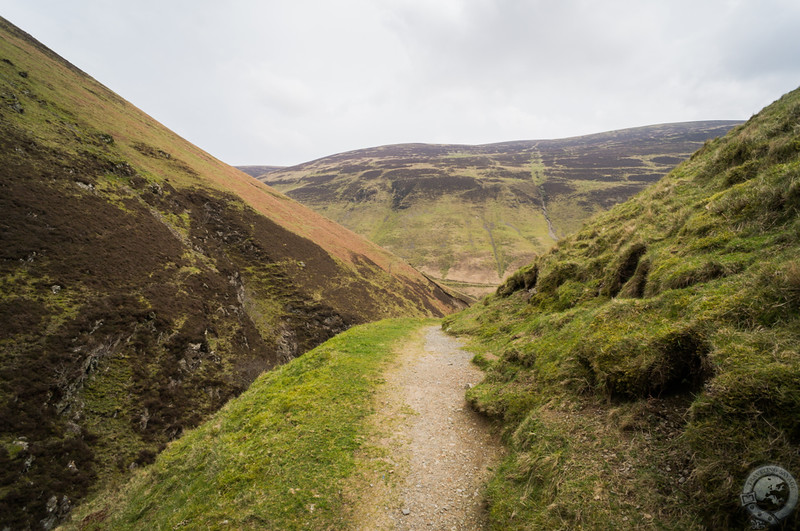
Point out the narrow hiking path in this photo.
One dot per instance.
(431, 455)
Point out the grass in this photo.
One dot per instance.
(274, 458)
(646, 364)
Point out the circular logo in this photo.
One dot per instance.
(769, 495)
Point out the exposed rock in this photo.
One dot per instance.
(57, 508)
(144, 418)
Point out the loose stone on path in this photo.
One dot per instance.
(445, 448)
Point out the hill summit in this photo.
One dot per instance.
(647, 364)
(143, 283)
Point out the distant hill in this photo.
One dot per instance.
(255, 171)
(143, 283)
(469, 215)
(649, 362)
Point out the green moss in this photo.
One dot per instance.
(623, 270)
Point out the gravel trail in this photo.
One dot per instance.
(436, 451)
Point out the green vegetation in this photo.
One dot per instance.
(276, 457)
(469, 215)
(650, 361)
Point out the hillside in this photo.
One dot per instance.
(143, 283)
(255, 171)
(649, 362)
(492, 207)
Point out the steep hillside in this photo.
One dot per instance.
(143, 283)
(468, 215)
(648, 363)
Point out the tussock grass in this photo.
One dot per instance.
(648, 363)
(273, 458)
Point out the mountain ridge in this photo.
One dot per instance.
(255, 171)
(504, 143)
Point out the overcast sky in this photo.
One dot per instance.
(284, 82)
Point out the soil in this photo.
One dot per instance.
(432, 454)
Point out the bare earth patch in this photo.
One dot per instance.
(430, 455)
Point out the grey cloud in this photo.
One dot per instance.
(283, 82)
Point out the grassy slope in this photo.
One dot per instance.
(276, 457)
(649, 362)
(143, 283)
(487, 203)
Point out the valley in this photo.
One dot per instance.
(186, 346)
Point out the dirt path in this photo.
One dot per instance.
(431, 454)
